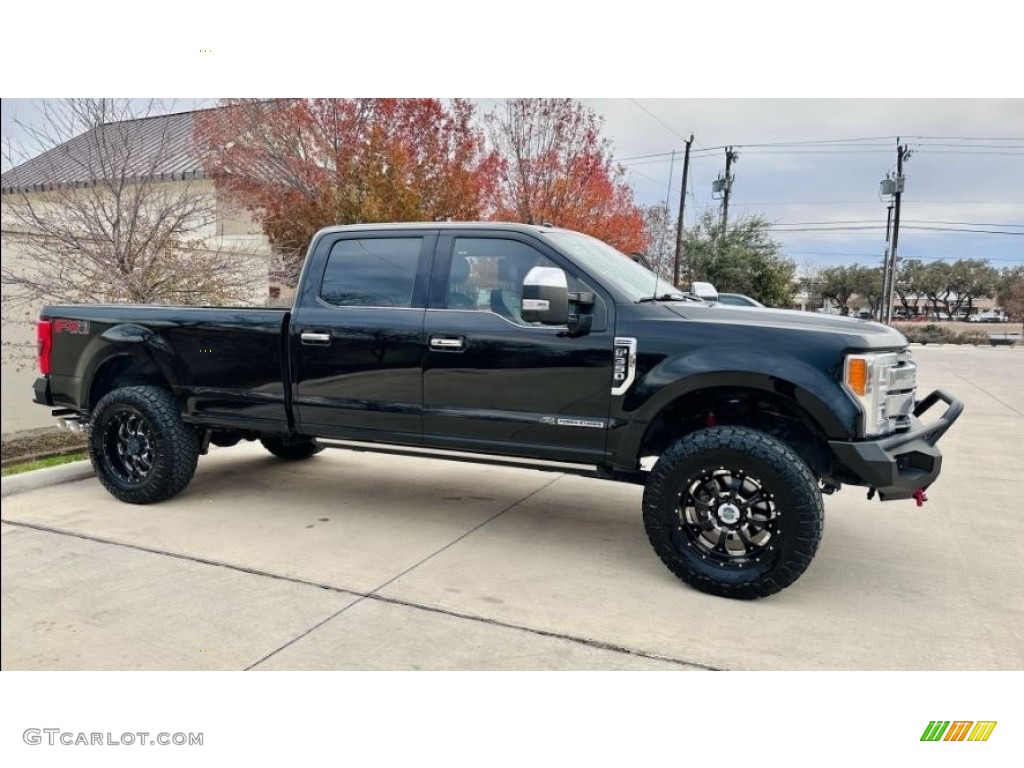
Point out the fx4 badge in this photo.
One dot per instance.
(623, 364)
(71, 326)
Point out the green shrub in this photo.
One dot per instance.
(938, 334)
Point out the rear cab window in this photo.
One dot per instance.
(371, 272)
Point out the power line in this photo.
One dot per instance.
(965, 138)
(983, 152)
(871, 254)
(820, 151)
(852, 145)
(879, 227)
(661, 122)
(908, 221)
(977, 231)
(644, 175)
(816, 142)
(957, 258)
(966, 223)
(642, 157)
(972, 146)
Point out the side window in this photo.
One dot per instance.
(487, 275)
(371, 272)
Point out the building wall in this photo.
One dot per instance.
(233, 228)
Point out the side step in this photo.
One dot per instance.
(542, 465)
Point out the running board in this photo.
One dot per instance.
(542, 465)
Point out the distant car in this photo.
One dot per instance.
(988, 316)
(738, 300)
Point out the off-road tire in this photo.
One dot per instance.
(140, 448)
(294, 449)
(704, 468)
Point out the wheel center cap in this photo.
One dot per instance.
(134, 446)
(729, 514)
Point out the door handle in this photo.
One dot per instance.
(447, 343)
(311, 337)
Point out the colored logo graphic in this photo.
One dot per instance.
(958, 730)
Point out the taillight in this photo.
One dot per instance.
(44, 334)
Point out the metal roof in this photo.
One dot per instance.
(158, 147)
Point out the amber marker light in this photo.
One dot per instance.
(857, 375)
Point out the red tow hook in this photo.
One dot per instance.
(920, 497)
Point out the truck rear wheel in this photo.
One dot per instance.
(733, 512)
(294, 449)
(140, 448)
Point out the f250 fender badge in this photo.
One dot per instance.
(623, 364)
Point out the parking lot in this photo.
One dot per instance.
(363, 561)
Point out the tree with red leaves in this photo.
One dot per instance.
(555, 168)
(301, 164)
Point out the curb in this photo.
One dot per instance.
(43, 478)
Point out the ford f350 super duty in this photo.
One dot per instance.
(518, 341)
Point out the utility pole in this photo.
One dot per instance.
(668, 192)
(730, 156)
(885, 266)
(902, 153)
(894, 188)
(682, 206)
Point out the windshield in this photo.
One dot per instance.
(634, 280)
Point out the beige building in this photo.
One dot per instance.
(157, 156)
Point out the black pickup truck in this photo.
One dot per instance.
(521, 341)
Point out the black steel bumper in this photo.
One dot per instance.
(42, 391)
(899, 465)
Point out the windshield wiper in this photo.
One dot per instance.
(668, 297)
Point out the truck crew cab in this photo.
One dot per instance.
(522, 341)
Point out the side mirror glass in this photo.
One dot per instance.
(546, 296)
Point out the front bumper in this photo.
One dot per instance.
(899, 465)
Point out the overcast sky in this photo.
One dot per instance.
(961, 169)
(966, 172)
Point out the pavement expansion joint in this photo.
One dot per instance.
(982, 390)
(374, 593)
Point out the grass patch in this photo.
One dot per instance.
(52, 461)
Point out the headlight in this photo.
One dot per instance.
(884, 385)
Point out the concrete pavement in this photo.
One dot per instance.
(361, 561)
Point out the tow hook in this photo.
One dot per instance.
(920, 497)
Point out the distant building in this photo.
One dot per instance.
(161, 147)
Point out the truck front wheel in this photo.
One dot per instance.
(140, 448)
(294, 449)
(733, 512)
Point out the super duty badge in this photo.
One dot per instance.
(623, 364)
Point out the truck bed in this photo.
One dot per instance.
(226, 364)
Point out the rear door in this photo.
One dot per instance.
(357, 335)
(493, 382)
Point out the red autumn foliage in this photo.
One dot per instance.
(301, 164)
(555, 168)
